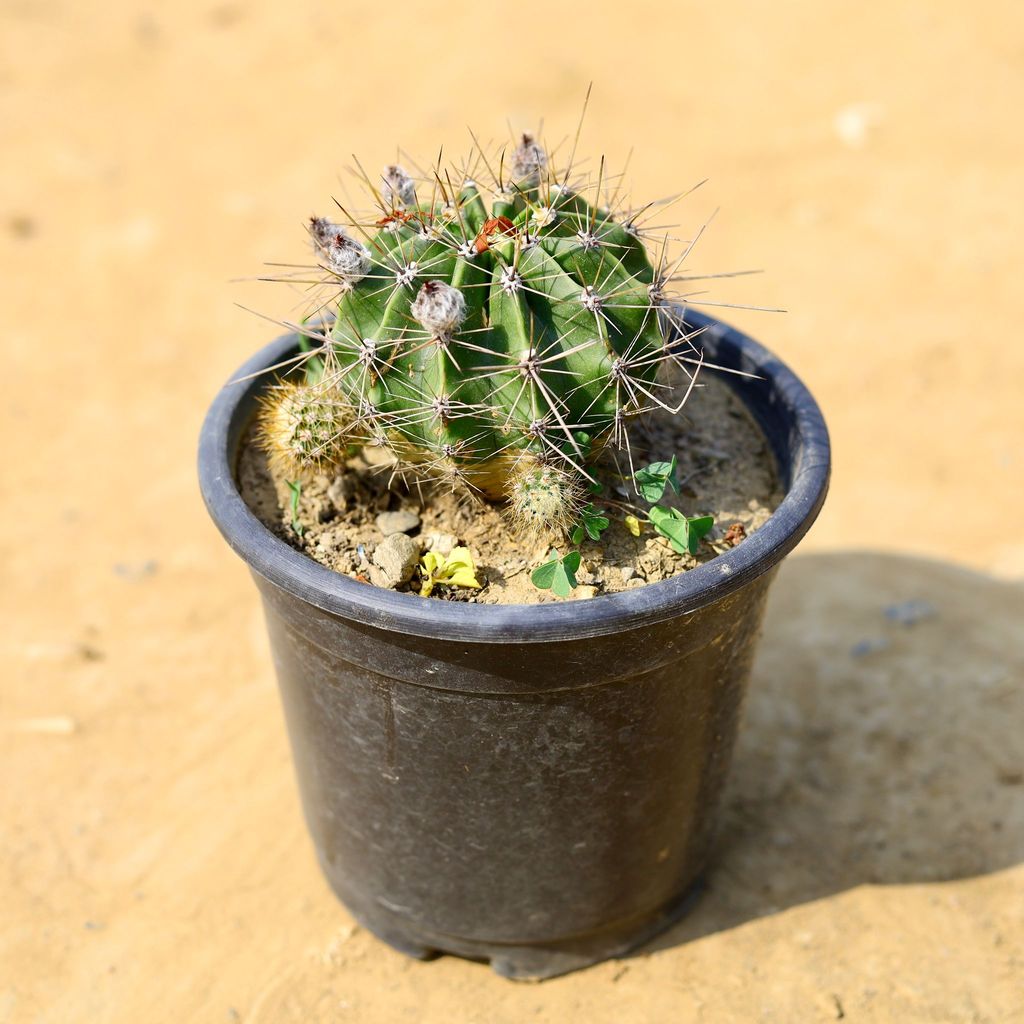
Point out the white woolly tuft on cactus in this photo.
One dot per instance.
(529, 160)
(405, 275)
(322, 232)
(439, 308)
(511, 280)
(399, 188)
(347, 259)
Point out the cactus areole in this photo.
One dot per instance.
(498, 339)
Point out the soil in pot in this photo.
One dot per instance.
(725, 469)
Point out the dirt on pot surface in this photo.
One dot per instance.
(725, 469)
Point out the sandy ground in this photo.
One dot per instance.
(153, 863)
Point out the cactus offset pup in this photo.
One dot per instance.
(501, 349)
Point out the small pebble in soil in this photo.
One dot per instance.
(401, 521)
(396, 557)
(442, 543)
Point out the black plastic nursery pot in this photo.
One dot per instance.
(533, 785)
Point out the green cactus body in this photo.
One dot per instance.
(554, 317)
(502, 348)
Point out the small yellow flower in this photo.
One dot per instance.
(633, 525)
(454, 570)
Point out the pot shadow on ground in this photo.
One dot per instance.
(881, 741)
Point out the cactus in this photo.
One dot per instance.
(500, 349)
(301, 426)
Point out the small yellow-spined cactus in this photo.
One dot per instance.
(302, 427)
(543, 496)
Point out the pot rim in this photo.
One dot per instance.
(803, 456)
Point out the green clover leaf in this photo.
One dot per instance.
(652, 480)
(592, 524)
(557, 575)
(684, 534)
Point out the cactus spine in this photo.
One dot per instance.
(500, 348)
